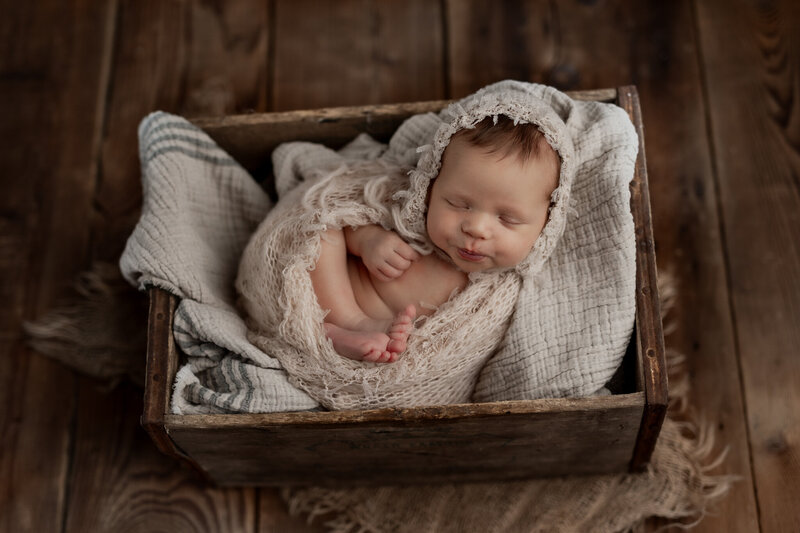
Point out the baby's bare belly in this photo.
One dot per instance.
(427, 282)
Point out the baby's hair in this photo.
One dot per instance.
(506, 138)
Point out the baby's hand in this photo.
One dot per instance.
(383, 252)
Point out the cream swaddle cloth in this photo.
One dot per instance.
(447, 350)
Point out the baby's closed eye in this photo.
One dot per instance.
(510, 220)
(458, 204)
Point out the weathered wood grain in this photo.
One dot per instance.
(227, 51)
(687, 228)
(488, 42)
(160, 371)
(187, 58)
(356, 52)
(507, 440)
(579, 45)
(688, 239)
(398, 415)
(750, 54)
(651, 363)
(651, 44)
(149, 57)
(125, 484)
(583, 44)
(52, 84)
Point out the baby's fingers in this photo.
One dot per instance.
(387, 272)
(407, 252)
(398, 262)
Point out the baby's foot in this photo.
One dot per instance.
(400, 330)
(360, 345)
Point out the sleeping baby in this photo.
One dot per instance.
(433, 232)
(485, 210)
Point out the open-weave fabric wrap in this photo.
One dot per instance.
(445, 352)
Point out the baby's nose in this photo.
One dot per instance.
(477, 225)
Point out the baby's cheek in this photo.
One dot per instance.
(523, 247)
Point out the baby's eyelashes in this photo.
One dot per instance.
(510, 221)
(457, 204)
(507, 219)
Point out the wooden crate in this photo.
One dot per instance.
(470, 442)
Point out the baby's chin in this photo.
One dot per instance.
(487, 264)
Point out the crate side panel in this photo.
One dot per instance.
(511, 446)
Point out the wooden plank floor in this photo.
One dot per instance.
(720, 92)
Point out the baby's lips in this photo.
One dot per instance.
(470, 255)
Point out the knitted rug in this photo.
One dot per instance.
(84, 333)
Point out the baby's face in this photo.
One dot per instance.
(487, 210)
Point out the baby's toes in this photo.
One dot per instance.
(385, 357)
(373, 355)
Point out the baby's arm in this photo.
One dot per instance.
(383, 252)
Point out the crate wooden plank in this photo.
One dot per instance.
(160, 371)
(749, 57)
(187, 58)
(251, 138)
(52, 83)
(650, 346)
(510, 440)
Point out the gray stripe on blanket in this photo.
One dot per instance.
(228, 371)
(174, 125)
(186, 336)
(248, 396)
(163, 120)
(194, 142)
(224, 161)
